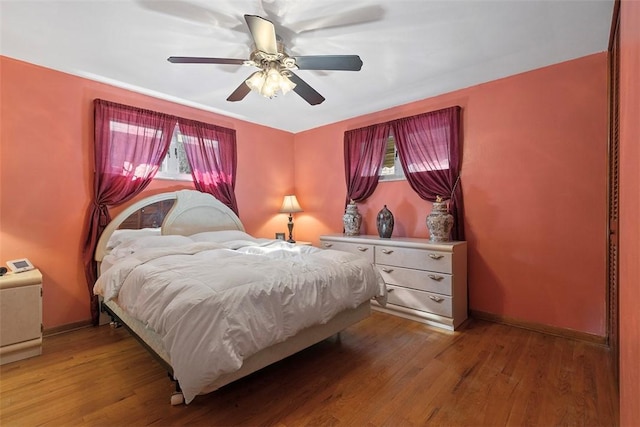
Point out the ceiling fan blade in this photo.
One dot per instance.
(241, 91)
(199, 60)
(263, 33)
(329, 62)
(303, 89)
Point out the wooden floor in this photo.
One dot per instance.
(384, 371)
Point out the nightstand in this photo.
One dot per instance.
(301, 243)
(20, 316)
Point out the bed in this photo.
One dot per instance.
(213, 303)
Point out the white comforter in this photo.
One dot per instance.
(216, 303)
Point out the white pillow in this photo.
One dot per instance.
(120, 236)
(221, 236)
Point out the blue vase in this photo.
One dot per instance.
(385, 223)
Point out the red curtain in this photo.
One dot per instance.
(211, 151)
(130, 144)
(363, 156)
(430, 152)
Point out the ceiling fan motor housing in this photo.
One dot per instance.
(265, 60)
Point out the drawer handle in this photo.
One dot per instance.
(328, 245)
(387, 251)
(435, 256)
(436, 299)
(361, 249)
(387, 270)
(436, 278)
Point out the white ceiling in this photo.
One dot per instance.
(411, 49)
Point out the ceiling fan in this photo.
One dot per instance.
(275, 65)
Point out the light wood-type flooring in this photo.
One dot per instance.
(384, 371)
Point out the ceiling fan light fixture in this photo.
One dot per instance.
(269, 81)
(256, 81)
(286, 85)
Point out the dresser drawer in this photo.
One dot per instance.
(422, 259)
(419, 300)
(356, 248)
(417, 279)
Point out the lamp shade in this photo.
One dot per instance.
(290, 204)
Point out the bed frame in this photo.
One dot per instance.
(195, 212)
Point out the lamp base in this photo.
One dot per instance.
(290, 226)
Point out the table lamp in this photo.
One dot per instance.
(290, 205)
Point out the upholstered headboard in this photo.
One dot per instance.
(192, 212)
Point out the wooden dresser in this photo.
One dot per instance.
(426, 281)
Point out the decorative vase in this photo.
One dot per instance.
(384, 222)
(352, 220)
(439, 221)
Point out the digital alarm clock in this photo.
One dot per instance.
(20, 265)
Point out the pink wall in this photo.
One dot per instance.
(629, 213)
(534, 181)
(47, 115)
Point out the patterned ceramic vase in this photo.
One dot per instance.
(439, 221)
(384, 222)
(352, 220)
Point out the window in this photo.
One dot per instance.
(175, 164)
(122, 134)
(436, 156)
(391, 167)
(427, 165)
